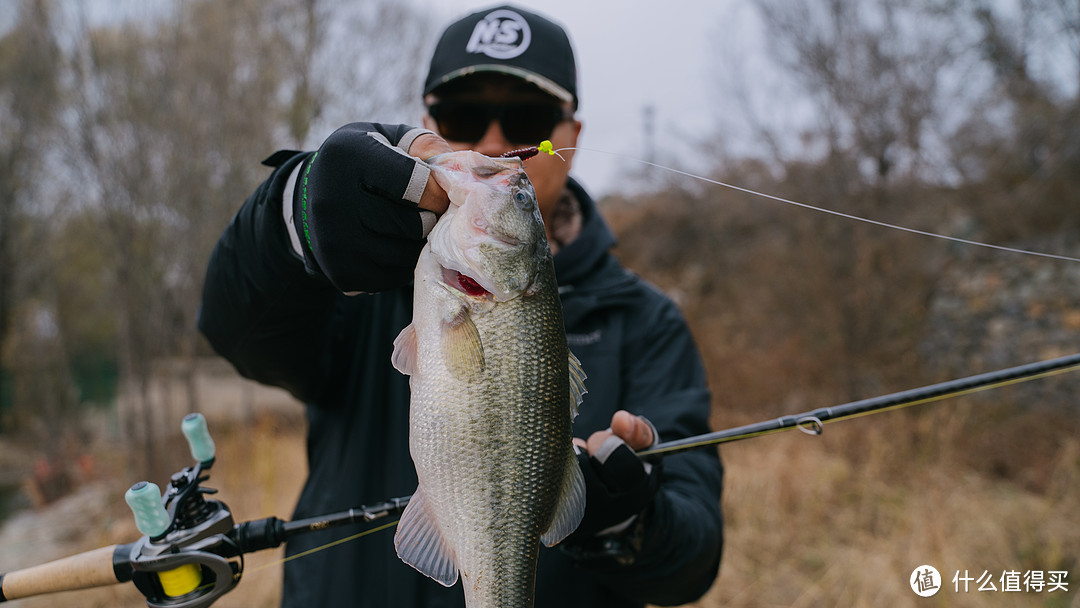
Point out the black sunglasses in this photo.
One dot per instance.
(522, 123)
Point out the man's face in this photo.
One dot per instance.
(523, 108)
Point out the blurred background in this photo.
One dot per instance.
(131, 131)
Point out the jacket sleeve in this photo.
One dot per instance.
(263, 308)
(260, 308)
(681, 534)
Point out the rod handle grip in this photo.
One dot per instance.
(91, 569)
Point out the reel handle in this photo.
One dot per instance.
(198, 438)
(151, 518)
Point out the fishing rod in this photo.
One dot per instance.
(811, 422)
(192, 550)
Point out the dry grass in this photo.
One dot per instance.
(844, 519)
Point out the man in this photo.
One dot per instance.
(280, 302)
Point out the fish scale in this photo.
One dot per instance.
(494, 388)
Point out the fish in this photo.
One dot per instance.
(493, 390)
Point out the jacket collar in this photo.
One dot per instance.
(589, 277)
(579, 259)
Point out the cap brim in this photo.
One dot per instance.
(544, 84)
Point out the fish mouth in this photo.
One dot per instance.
(480, 291)
(465, 284)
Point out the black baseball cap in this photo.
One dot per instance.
(508, 40)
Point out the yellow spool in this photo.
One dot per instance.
(181, 580)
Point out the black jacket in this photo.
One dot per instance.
(278, 325)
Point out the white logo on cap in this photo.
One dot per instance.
(502, 34)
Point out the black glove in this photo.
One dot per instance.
(355, 208)
(619, 487)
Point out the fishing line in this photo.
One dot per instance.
(548, 149)
(332, 543)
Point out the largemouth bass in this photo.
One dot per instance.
(494, 389)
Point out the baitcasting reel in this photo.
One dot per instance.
(187, 557)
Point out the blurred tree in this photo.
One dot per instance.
(925, 113)
(370, 63)
(872, 72)
(170, 143)
(1023, 146)
(174, 111)
(871, 69)
(30, 99)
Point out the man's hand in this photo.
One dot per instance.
(619, 486)
(364, 204)
(434, 197)
(633, 430)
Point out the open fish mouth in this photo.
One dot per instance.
(480, 291)
(465, 284)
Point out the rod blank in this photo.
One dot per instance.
(914, 396)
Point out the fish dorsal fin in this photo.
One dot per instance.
(577, 385)
(420, 544)
(571, 505)
(462, 348)
(404, 357)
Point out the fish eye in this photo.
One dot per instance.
(523, 200)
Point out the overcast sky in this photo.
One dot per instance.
(635, 54)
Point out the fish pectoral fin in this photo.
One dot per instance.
(462, 348)
(420, 544)
(404, 357)
(577, 385)
(571, 506)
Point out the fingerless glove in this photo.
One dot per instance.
(355, 208)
